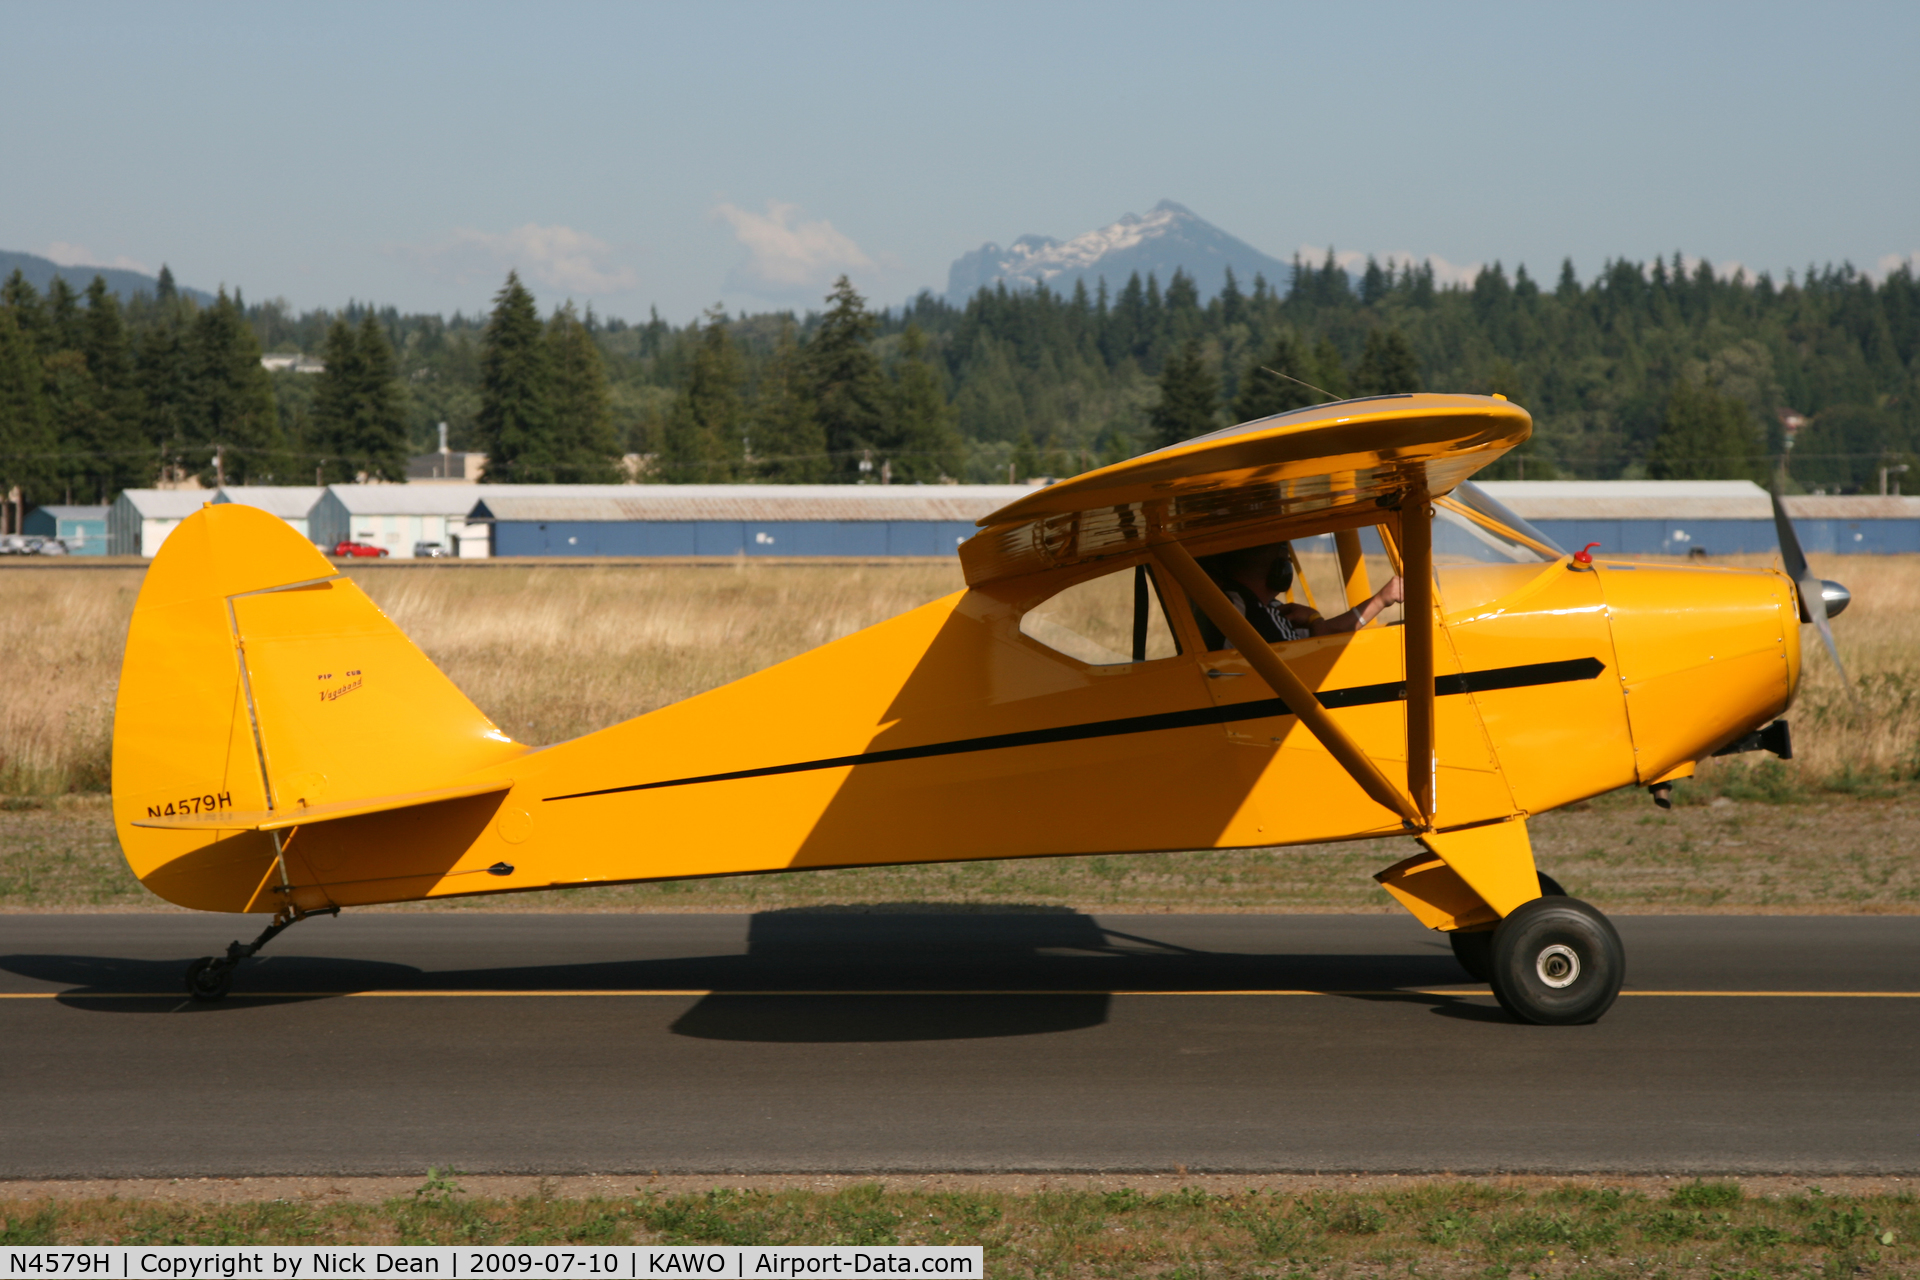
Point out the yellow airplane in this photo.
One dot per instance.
(281, 747)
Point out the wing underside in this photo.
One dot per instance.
(1317, 470)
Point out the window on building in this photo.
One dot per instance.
(1105, 621)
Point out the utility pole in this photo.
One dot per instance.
(219, 466)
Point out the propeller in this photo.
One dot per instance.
(1815, 593)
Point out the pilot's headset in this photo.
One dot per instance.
(1280, 570)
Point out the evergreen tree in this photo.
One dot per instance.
(582, 403)
(1233, 303)
(1329, 370)
(230, 399)
(1025, 463)
(788, 443)
(515, 422)
(336, 391)
(1844, 447)
(359, 406)
(117, 459)
(1375, 283)
(1189, 396)
(924, 443)
(1706, 435)
(703, 442)
(161, 376)
(26, 443)
(73, 420)
(19, 297)
(849, 388)
(1262, 393)
(1387, 366)
(63, 316)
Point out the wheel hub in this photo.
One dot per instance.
(1558, 966)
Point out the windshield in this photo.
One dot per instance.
(1471, 528)
(1483, 504)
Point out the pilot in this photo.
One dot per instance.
(1253, 579)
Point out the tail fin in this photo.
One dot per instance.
(257, 678)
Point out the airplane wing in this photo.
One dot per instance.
(1314, 470)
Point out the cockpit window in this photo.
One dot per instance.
(1109, 620)
(1483, 504)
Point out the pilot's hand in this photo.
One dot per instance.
(1395, 592)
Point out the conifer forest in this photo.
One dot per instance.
(1648, 369)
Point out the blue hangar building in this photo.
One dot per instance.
(1706, 517)
(698, 520)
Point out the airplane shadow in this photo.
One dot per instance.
(818, 975)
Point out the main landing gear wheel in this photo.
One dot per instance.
(1556, 962)
(1474, 950)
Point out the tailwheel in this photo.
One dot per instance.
(1474, 948)
(1556, 961)
(209, 979)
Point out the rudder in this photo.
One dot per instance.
(257, 677)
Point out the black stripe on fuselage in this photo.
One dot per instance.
(1364, 695)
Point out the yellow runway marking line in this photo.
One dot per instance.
(670, 993)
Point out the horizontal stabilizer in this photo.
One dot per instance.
(301, 815)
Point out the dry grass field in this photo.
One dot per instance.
(552, 652)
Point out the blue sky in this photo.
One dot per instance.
(636, 155)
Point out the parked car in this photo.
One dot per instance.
(429, 550)
(358, 549)
(28, 544)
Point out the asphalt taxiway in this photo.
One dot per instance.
(1028, 1041)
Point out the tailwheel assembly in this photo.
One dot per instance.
(1556, 961)
(1474, 948)
(211, 977)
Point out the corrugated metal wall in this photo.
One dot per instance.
(1733, 537)
(729, 537)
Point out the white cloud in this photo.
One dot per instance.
(1892, 262)
(561, 258)
(1444, 272)
(78, 255)
(786, 256)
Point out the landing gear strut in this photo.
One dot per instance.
(1474, 950)
(210, 977)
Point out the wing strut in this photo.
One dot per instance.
(1416, 566)
(1300, 700)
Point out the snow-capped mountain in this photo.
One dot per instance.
(1169, 237)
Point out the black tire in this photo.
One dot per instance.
(1557, 962)
(209, 979)
(1474, 951)
(1474, 948)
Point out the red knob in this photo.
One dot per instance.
(1585, 554)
